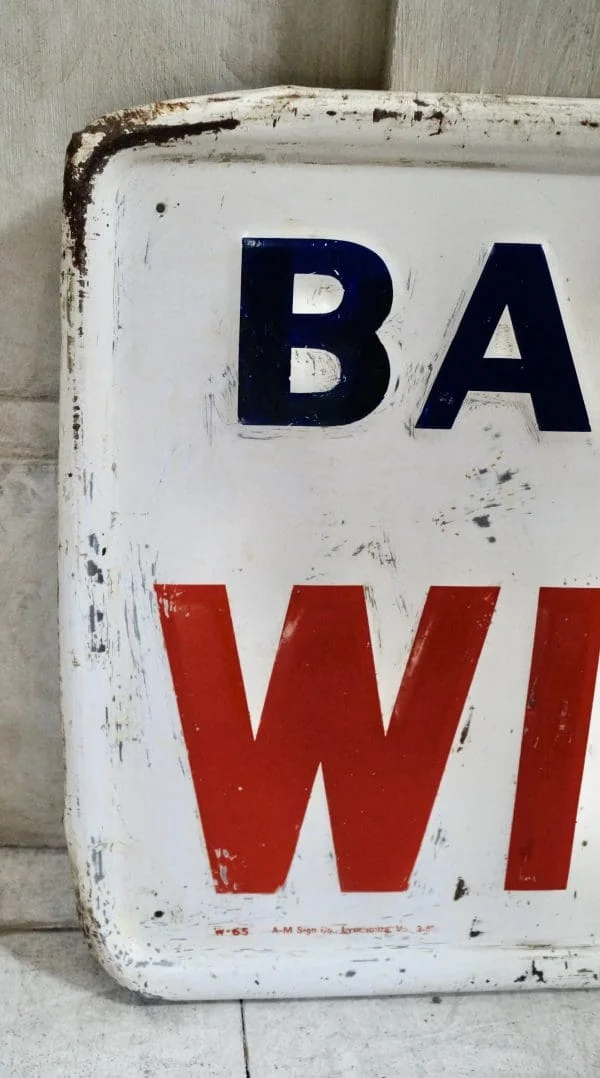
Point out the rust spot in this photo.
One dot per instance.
(538, 973)
(385, 114)
(464, 733)
(295, 95)
(77, 422)
(438, 115)
(461, 889)
(505, 477)
(94, 570)
(95, 618)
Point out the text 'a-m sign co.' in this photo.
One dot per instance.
(333, 620)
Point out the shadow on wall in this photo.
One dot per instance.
(64, 957)
(340, 44)
(31, 769)
(29, 311)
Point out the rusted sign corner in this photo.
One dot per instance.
(161, 123)
(89, 150)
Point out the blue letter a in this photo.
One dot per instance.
(515, 276)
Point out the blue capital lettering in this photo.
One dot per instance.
(269, 330)
(515, 276)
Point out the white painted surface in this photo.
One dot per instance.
(142, 472)
(542, 47)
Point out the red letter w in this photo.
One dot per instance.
(321, 709)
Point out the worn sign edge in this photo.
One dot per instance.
(477, 131)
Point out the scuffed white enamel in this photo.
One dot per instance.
(159, 483)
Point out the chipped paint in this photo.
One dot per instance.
(161, 492)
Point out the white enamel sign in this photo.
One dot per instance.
(330, 589)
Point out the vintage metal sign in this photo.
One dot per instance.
(330, 589)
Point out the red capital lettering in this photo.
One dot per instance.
(555, 736)
(321, 709)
